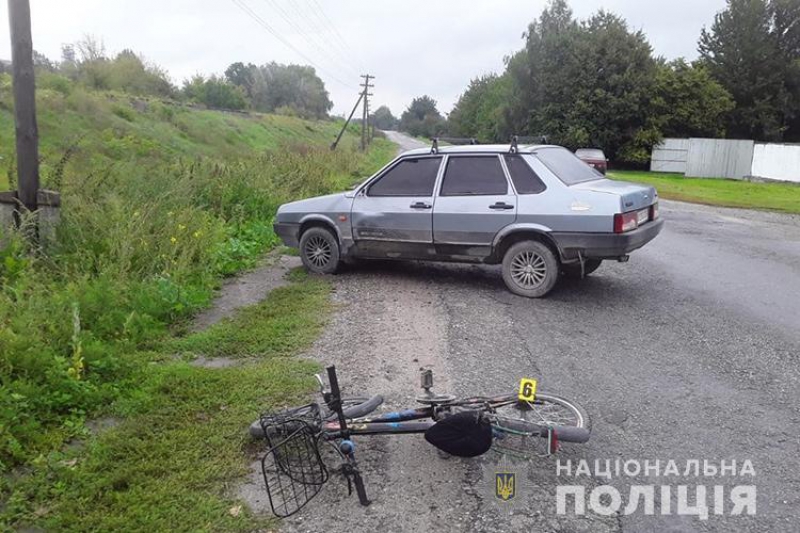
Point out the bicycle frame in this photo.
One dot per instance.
(407, 421)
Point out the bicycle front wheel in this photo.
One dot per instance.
(567, 418)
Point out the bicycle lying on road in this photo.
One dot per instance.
(293, 468)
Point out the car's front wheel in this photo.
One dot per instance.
(530, 269)
(319, 251)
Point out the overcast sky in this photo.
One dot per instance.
(414, 47)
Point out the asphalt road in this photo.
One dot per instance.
(688, 352)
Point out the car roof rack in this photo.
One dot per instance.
(517, 139)
(514, 143)
(451, 140)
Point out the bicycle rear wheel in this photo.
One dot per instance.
(567, 418)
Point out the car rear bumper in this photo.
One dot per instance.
(288, 233)
(606, 245)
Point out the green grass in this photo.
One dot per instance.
(783, 197)
(107, 128)
(159, 203)
(256, 330)
(174, 462)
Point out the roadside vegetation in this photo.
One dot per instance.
(177, 445)
(160, 201)
(784, 197)
(596, 83)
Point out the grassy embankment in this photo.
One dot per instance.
(159, 203)
(784, 197)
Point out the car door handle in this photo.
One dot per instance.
(421, 205)
(501, 205)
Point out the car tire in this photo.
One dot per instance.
(574, 270)
(319, 251)
(530, 269)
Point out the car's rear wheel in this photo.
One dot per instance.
(319, 251)
(530, 269)
(573, 270)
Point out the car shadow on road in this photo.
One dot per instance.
(458, 276)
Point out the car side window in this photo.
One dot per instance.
(409, 177)
(474, 176)
(523, 176)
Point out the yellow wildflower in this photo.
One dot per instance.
(173, 240)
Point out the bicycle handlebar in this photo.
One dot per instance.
(363, 409)
(563, 433)
(572, 434)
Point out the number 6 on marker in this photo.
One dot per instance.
(527, 390)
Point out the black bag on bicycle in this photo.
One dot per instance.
(464, 434)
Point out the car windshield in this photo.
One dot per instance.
(590, 153)
(566, 166)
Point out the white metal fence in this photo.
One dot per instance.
(670, 156)
(777, 162)
(726, 158)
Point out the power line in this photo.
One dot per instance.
(255, 16)
(319, 25)
(310, 39)
(342, 42)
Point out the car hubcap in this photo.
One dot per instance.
(318, 251)
(528, 270)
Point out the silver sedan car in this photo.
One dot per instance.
(538, 210)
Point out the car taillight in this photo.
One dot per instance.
(625, 222)
(654, 211)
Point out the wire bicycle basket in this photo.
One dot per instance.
(293, 469)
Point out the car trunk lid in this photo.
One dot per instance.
(633, 196)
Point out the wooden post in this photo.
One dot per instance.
(365, 113)
(353, 112)
(19, 15)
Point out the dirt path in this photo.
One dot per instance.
(248, 289)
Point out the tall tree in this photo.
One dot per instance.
(752, 49)
(689, 102)
(481, 111)
(422, 118)
(585, 84)
(292, 89)
(383, 119)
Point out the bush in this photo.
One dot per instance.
(125, 113)
(54, 82)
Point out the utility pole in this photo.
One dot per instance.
(19, 16)
(353, 112)
(363, 96)
(365, 113)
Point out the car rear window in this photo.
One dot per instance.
(409, 177)
(525, 179)
(566, 166)
(479, 175)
